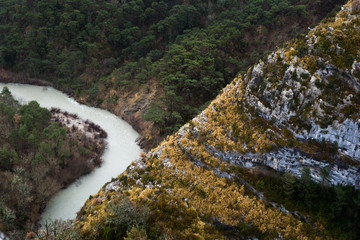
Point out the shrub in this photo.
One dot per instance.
(123, 217)
(136, 233)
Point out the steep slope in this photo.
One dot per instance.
(160, 92)
(261, 161)
(155, 63)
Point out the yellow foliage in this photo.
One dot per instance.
(191, 169)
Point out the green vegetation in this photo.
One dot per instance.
(194, 185)
(191, 187)
(336, 207)
(37, 159)
(191, 49)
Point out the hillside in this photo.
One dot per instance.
(275, 155)
(41, 152)
(157, 63)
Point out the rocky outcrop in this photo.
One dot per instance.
(3, 236)
(281, 106)
(346, 135)
(282, 115)
(294, 161)
(314, 95)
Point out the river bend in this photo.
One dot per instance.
(120, 152)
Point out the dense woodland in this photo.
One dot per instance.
(195, 184)
(38, 157)
(191, 49)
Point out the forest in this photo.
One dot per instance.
(186, 188)
(211, 180)
(38, 157)
(190, 49)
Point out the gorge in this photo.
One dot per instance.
(121, 149)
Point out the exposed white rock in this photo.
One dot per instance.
(281, 105)
(167, 163)
(113, 186)
(3, 236)
(292, 161)
(355, 68)
(346, 134)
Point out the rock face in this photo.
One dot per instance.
(292, 161)
(131, 105)
(295, 112)
(281, 106)
(3, 236)
(307, 89)
(346, 135)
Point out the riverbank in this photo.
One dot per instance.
(41, 152)
(11, 77)
(121, 149)
(131, 103)
(82, 130)
(130, 106)
(79, 125)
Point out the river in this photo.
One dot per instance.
(120, 152)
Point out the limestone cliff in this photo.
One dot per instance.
(296, 112)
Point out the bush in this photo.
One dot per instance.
(136, 233)
(122, 218)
